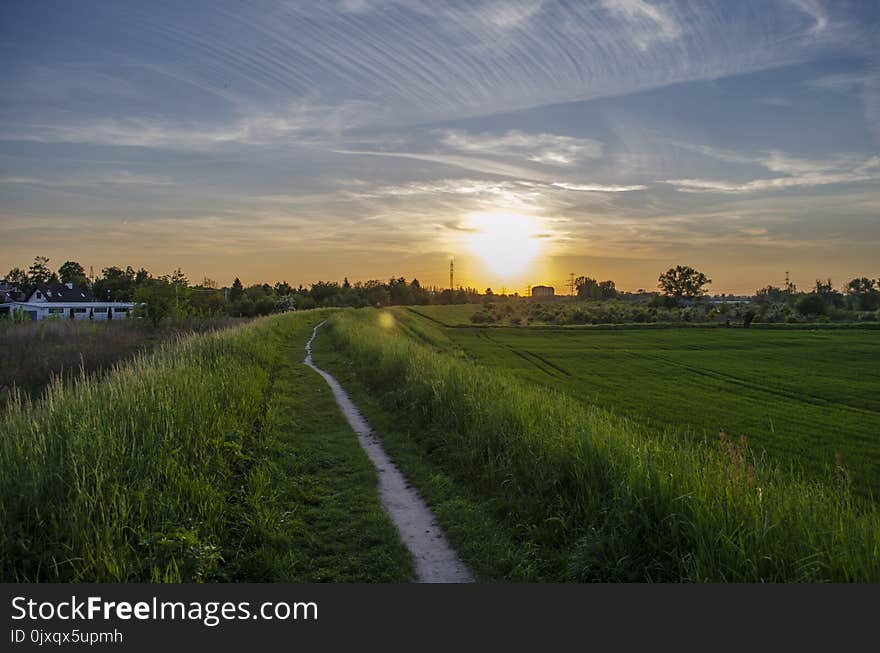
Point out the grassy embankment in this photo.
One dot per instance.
(534, 485)
(218, 457)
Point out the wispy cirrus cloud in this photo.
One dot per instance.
(300, 121)
(599, 188)
(116, 178)
(545, 148)
(795, 173)
(647, 22)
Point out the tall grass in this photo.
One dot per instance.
(130, 478)
(31, 353)
(612, 501)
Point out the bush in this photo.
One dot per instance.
(811, 304)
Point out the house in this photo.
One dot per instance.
(64, 300)
(9, 293)
(543, 292)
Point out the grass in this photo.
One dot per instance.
(579, 493)
(217, 457)
(32, 353)
(807, 397)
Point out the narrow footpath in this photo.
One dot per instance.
(435, 560)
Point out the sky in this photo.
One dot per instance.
(525, 139)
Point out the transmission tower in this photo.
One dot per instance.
(451, 274)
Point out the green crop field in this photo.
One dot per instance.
(533, 482)
(808, 397)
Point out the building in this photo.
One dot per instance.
(543, 292)
(9, 294)
(66, 301)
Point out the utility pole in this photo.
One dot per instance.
(451, 274)
(571, 284)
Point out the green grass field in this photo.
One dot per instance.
(808, 397)
(533, 483)
(220, 457)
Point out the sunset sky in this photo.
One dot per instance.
(527, 139)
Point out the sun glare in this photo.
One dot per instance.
(506, 242)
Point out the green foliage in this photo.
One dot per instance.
(157, 298)
(598, 496)
(812, 304)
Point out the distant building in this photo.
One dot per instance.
(544, 292)
(67, 301)
(9, 292)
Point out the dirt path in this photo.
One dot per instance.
(435, 560)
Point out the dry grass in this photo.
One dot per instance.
(31, 354)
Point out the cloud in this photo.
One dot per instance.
(798, 173)
(815, 10)
(416, 61)
(301, 121)
(598, 188)
(865, 85)
(474, 164)
(551, 149)
(118, 178)
(647, 23)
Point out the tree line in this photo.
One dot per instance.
(174, 295)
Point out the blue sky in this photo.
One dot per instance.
(305, 140)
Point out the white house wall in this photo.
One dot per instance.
(82, 310)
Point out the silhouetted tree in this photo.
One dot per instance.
(72, 272)
(236, 291)
(862, 294)
(39, 273)
(683, 281)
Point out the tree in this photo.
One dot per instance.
(607, 290)
(115, 285)
(18, 277)
(827, 292)
(179, 278)
(72, 272)
(862, 294)
(812, 304)
(141, 277)
(39, 273)
(683, 281)
(236, 291)
(158, 296)
(770, 294)
(589, 288)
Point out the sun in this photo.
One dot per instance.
(506, 243)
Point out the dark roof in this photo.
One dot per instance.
(60, 292)
(9, 292)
